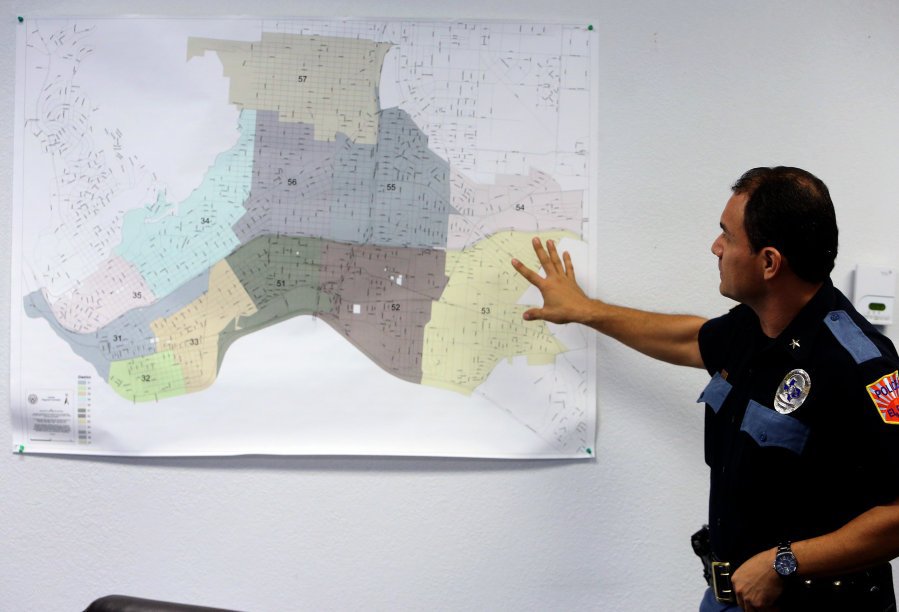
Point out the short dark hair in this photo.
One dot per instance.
(790, 209)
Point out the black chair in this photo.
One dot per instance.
(124, 603)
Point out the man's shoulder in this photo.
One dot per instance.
(741, 318)
(725, 334)
(855, 335)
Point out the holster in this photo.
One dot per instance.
(703, 549)
(716, 573)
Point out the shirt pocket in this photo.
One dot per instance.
(715, 392)
(770, 428)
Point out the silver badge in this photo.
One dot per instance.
(792, 392)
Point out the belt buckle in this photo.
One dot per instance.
(721, 585)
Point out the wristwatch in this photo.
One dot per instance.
(785, 563)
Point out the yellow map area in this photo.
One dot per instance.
(329, 82)
(192, 333)
(477, 323)
(187, 341)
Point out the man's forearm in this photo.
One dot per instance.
(869, 539)
(668, 337)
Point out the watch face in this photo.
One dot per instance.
(785, 563)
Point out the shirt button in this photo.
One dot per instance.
(834, 317)
(763, 437)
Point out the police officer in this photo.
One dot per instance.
(802, 408)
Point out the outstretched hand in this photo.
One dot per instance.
(563, 299)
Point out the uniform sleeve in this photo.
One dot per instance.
(714, 339)
(879, 402)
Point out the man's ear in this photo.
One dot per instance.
(773, 262)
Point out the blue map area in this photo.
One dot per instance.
(172, 243)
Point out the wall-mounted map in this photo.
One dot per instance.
(293, 237)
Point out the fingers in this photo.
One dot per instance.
(531, 276)
(550, 260)
(554, 256)
(569, 267)
(542, 255)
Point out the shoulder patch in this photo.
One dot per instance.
(851, 337)
(884, 393)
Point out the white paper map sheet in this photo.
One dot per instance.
(239, 236)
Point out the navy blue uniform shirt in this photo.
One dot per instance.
(778, 477)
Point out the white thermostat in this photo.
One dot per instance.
(874, 293)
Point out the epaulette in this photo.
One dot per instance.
(851, 337)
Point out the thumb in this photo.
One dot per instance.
(532, 314)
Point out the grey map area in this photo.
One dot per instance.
(394, 193)
(127, 337)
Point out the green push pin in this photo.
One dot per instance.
(589, 27)
(21, 19)
(21, 448)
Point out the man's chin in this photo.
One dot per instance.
(723, 291)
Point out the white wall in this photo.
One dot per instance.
(692, 94)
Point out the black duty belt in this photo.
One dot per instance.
(874, 586)
(871, 589)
